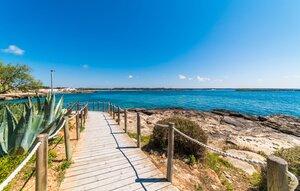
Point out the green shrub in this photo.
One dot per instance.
(8, 165)
(61, 169)
(215, 162)
(259, 181)
(192, 160)
(182, 146)
(292, 156)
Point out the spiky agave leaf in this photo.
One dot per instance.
(39, 104)
(32, 131)
(20, 131)
(11, 126)
(3, 135)
(55, 125)
(59, 107)
(49, 107)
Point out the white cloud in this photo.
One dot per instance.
(130, 76)
(202, 79)
(181, 77)
(13, 49)
(85, 66)
(218, 80)
(190, 79)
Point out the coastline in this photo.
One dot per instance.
(24, 95)
(227, 128)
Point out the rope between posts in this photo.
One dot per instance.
(73, 116)
(19, 168)
(212, 148)
(219, 151)
(294, 181)
(57, 131)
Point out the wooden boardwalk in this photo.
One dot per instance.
(107, 159)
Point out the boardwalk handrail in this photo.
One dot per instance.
(20, 167)
(83, 112)
(277, 172)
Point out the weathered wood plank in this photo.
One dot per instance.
(107, 159)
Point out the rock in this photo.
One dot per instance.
(285, 124)
(265, 134)
(246, 167)
(224, 112)
(265, 144)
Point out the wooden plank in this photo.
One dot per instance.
(107, 159)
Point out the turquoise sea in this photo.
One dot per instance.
(255, 102)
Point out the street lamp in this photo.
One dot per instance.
(51, 72)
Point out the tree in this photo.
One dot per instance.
(16, 77)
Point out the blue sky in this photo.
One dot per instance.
(170, 43)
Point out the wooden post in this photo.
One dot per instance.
(83, 115)
(277, 179)
(138, 130)
(42, 163)
(125, 120)
(77, 127)
(113, 110)
(68, 147)
(81, 119)
(170, 152)
(109, 108)
(119, 116)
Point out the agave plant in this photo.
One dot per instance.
(18, 135)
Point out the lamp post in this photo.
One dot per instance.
(51, 72)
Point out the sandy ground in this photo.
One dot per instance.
(27, 183)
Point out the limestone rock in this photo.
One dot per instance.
(245, 166)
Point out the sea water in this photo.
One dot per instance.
(260, 102)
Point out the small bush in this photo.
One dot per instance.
(192, 160)
(292, 156)
(216, 163)
(259, 181)
(8, 164)
(182, 146)
(61, 169)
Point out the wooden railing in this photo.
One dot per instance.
(41, 148)
(278, 176)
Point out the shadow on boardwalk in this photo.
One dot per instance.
(107, 159)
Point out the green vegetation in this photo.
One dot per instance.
(144, 139)
(198, 187)
(82, 127)
(52, 154)
(56, 140)
(17, 135)
(192, 160)
(218, 164)
(292, 156)
(16, 77)
(182, 146)
(215, 162)
(259, 181)
(61, 169)
(8, 164)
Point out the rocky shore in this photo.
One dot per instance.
(40, 93)
(253, 137)
(20, 95)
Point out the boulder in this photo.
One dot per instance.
(245, 166)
